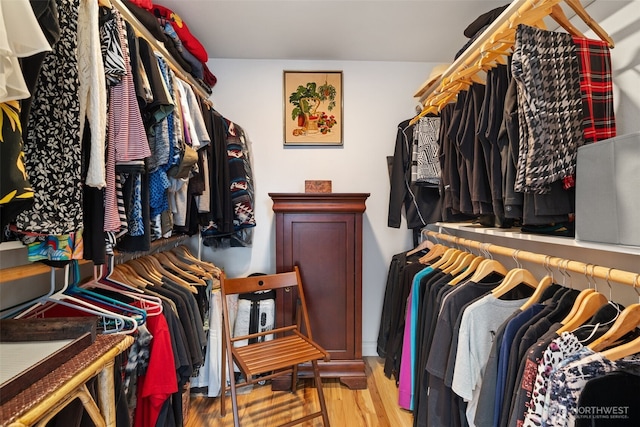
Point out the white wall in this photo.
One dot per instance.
(377, 96)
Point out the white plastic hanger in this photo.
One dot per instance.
(119, 323)
(152, 305)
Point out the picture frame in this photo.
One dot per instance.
(312, 108)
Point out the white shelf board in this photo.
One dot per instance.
(515, 233)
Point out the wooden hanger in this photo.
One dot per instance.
(103, 276)
(458, 86)
(143, 271)
(194, 268)
(164, 273)
(447, 258)
(468, 271)
(447, 97)
(628, 320)
(623, 350)
(487, 267)
(429, 109)
(167, 263)
(532, 13)
(582, 13)
(125, 273)
(632, 347)
(576, 304)
(183, 252)
(579, 299)
(586, 309)
(453, 263)
(530, 17)
(105, 3)
(490, 57)
(558, 15)
(425, 244)
(514, 278)
(470, 75)
(435, 252)
(439, 97)
(462, 263)
(544, 283)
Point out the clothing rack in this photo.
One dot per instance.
(591, 270)
(493, 44)
(142, 31)
(158, 245)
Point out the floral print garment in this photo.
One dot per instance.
(52, 146)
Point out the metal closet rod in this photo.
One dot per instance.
(590, 270)
(159, 245)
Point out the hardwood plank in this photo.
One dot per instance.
(377, 405)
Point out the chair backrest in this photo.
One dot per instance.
(268, 282)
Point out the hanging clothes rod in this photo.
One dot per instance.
(159, 245)
(590, 270)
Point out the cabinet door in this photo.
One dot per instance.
(322, 246)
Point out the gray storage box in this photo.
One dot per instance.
(608, 191)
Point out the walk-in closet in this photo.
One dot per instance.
(371, 213)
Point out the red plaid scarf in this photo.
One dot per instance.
(596, 85)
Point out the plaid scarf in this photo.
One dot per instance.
(596, 85)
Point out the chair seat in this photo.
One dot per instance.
(282, 353)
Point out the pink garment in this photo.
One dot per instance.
(404, 383)
(126, 137)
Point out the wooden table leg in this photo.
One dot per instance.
(106, 394)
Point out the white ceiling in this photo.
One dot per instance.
(366, 30)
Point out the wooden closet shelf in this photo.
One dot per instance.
(142, 31)
(25, 271)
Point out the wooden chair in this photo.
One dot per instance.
(291, 345)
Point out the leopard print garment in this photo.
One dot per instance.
(559, 349)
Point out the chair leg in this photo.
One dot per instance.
(227, 359)
(223, 379)
(294, 379)
(234, 395)
(323, 405)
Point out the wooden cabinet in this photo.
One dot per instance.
(321, 233)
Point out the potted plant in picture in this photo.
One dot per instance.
(328, 92)
(306, 101)
(299, 100)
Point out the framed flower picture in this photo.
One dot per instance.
(312, 107)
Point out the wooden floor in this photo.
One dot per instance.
(376, 406)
